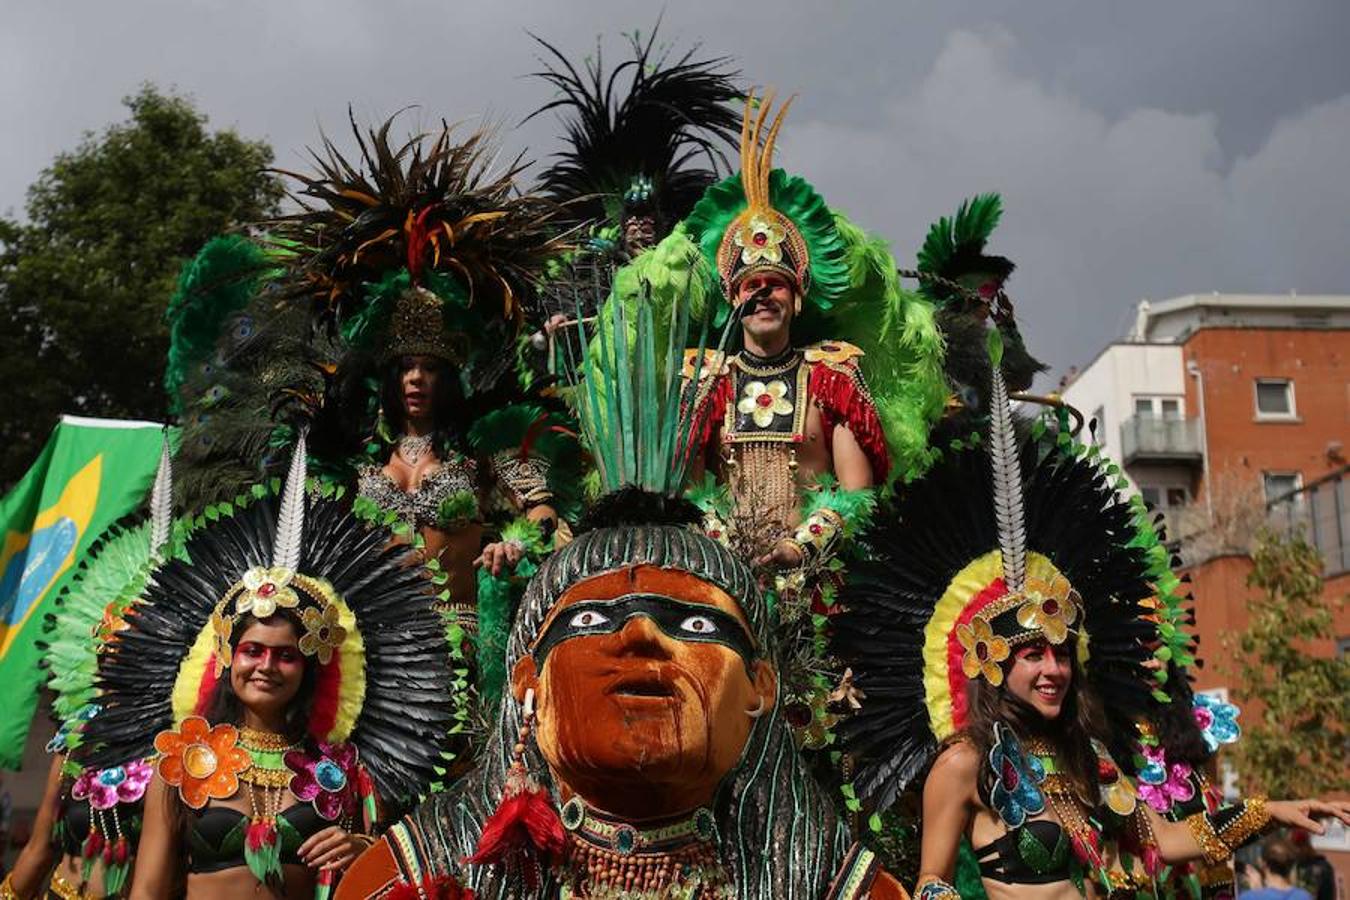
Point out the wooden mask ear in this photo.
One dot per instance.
(524, 677)
(766, 684)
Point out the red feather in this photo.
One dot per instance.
(441, 887)
(524, 832)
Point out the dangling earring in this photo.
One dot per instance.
(382, 426)
(758, 710)
(525, 832)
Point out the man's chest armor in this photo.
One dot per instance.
(769, 403)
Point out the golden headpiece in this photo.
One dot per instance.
(761, 237)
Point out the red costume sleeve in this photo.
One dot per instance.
(714, 408)
(843, 399)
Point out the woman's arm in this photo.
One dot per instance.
(37, 857)
(948, 805)
(1214, 836)
(157, 853)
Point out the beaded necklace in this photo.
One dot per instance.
(675, 858)
(266, 778)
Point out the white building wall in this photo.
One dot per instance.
(1121, 373)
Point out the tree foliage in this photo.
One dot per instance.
(1297, 746)
(85, 280)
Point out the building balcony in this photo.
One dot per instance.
(1157, 439)
(1321, 512)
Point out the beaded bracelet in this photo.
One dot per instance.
(1228, 828)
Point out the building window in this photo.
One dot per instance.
(1152, 496)
(1280, 484)
(1158, 407)
(1176, 497)
(1274, 398)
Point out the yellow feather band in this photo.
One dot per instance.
(943, 673)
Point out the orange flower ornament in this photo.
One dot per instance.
(201, 760)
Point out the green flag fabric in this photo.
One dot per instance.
(91, 473)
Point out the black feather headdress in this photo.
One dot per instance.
(964, 544)
(383, 684)
(644, 138)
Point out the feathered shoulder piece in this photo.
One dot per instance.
(954, 248)
(644, 137)
(434, 219)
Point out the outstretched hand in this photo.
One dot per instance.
(498, 556)
(1305, 813)
(332, 848)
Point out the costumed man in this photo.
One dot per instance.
(635, 161)
(642, 752)
(967, 287)
(800, 418)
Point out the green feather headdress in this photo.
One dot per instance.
(955, 247)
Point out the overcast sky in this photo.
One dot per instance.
(1144, 149)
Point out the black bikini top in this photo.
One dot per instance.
(216, 836)
(1036, 852)
(74, 827)
(74, 819)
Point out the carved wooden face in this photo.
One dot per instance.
(643, 682)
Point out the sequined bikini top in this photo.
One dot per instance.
(421, 506)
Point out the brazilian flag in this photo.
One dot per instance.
(91, 473)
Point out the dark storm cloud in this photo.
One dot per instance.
(1144, 149)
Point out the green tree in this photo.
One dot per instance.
(1298, 745)
(85, 280)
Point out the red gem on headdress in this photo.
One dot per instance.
(815, 528)
(266, 589)
(764, 400)
(760, 239)
(982, 650)
(1050, 607)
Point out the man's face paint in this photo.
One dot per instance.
(695, 622)
(643, 679)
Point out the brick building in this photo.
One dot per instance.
(1228, 413)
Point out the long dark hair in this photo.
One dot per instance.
(446, 430)
(224, 706)
(1071, 733)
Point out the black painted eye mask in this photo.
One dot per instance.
(693, 622)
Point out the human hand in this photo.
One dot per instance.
(332, 848)
(786, 554)
(500, 555)
(1304, 813)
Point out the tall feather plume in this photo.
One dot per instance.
(291, 520)
(161, 501)
(1003, 458)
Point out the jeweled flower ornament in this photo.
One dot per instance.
(984, 650)
(326, 777)
(105, 788)
(202, 761)
(761, 402)
(1217, 720)
(761, 240)
(1163, 784)
(1016, 793)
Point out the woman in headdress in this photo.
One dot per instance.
(84, 837)
(422, 258)
(285, 673)
(1002, 634)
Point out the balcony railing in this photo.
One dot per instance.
(1160, 439)
(1322, 510)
